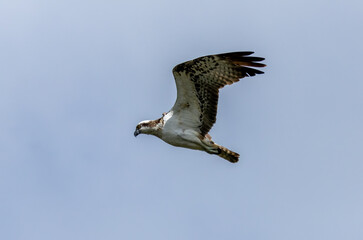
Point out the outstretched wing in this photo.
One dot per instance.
(198, 82)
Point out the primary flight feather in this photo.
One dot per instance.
(198, 82)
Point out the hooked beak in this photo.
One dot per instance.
(137, 132)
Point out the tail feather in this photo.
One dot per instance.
(227, 154)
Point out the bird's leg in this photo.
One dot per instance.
(208, 144)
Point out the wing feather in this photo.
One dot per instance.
(198, 82)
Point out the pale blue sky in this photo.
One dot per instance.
(77, 76)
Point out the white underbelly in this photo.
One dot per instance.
(182, 138)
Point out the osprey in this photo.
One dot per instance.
(198, 82)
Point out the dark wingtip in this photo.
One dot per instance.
(235, 54)
(243, 59)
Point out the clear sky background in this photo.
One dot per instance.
(77, 76)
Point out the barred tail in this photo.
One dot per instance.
(227, 154)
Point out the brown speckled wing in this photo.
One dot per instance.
(210, 73)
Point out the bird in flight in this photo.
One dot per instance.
(198, 82)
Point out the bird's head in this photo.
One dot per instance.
(148, 127)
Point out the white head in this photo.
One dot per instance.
(149, 127)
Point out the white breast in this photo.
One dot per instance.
(177, 134)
